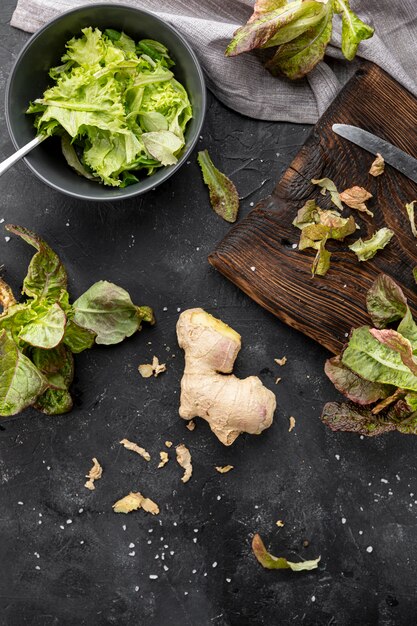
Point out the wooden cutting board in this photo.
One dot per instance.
(327, 308)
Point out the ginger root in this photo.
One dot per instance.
(230, 405)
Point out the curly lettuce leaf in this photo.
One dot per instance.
(46, 277)
(20, 380)
(108, 311)
(376, 362)
(47, 329)
(385, 301)
(356, 197)
(268, 561)
(107, 92)
(353, 29)
(367, 249)
(352, 386)
(328, 185)
(223, 194)
(77, 338)
(58, 367)
(298, 57)
(278, 26)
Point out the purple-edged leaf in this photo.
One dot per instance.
(262, 7)
(393, 340)
(355, 419)
(298, 57)
(353, 386)
(385, 301)
(278, 26)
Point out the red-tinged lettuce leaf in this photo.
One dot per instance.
(268, 561)
(330, 227)
(46, 277)
(355, 198)
(374, 361)
(265, 6)
(367, 249)
(298, 57)
(47, 329)
(385, 301)
(58, 367)
(381, 406)
(353, 29)
(223, 194)
(278, 26)
(107, 310)
(351, 418)
(396, 342)
(352, 386)
(20, 380)
(7, 298)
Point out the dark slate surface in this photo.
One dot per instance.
(64, 555)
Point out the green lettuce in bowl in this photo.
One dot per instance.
(117, 106)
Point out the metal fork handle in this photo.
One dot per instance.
(14, 158)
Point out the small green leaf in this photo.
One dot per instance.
(409, 207)
(20, 380)
(268, 561)
(367, 249)
(321, 263)
(328, 185)
(46, 276)
(58, 367)
(54, 402)
(153, 121)
(78, 338)
(108, 311)
(223, 194)
(47, 329)
(353, 29)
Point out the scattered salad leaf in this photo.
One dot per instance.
(378, 166)
(367, 249)
(409, 207)
(353, 29)
(377, 367)
(355, 198)
(385, 301)
(39, 336)
(352, 386)
(108, 311)
(298, 32)
(268, 561)
(116, 105)
(298, 57)
(328, 185)
(223, 194)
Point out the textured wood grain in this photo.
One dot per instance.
(327, 308)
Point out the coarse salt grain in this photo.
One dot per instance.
(369, 549)
(131, 545)
(132, 553)
(343, 520)
(69, 521)
(214, 564)
(153, 576)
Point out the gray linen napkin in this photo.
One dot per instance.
(241, 82)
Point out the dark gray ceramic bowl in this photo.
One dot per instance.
(29, 78)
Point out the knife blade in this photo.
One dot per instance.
(402, 161)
